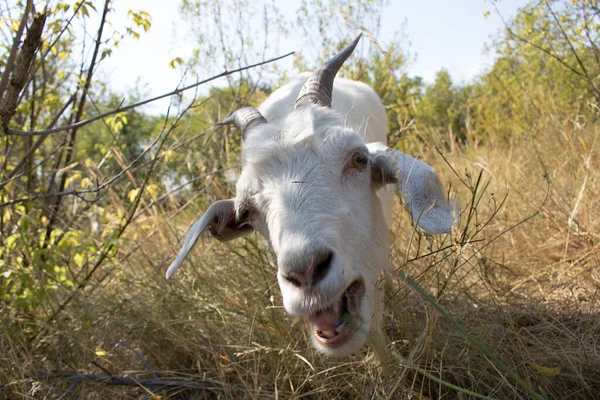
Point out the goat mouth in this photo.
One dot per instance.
(333, 325)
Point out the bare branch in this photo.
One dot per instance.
(20, 72)
(49, 49)
(13, 51)
(140, 356)
(141, 103)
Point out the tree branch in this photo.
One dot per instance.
(49, 49)
(141, 103)
(13, 51)
(595, 49)
(20, 72)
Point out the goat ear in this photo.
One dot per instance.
(417, 184)
(382, 171)
(220, 222)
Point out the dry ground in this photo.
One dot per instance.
(520, 273)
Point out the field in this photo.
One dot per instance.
(97, 194)
(519, 273)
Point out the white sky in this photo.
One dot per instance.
(447, 34)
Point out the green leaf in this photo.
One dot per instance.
(546, 371)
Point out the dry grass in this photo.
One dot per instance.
(524, 283)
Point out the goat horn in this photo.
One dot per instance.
(319, 87)
(244, 119)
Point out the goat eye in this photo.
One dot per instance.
(246, 212)
(359, 160)
(243, 213)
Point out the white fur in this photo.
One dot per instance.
(355, 102)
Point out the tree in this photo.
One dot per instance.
(548, 64)
(50, 181)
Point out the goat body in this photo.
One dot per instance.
(318, 182)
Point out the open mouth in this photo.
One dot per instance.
(334, 324)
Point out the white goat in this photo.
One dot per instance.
(314, 183)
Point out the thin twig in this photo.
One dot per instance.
(70, 389)
(140, 103)
(140, 357)
(104, 369)
(174, 190)
(151, 383)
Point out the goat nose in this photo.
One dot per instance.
(309, 270)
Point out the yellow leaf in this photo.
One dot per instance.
(235, 303)
(79, 259)
(175, 62)
(152, 191)
(100, 353)
(133, 194)
(272, 329)
(546, 371)
(62, 55)
(84, 182)
(14, 24)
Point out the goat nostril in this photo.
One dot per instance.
(303, 274)
(295, 279)
(321, 267)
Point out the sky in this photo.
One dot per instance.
(447, 34)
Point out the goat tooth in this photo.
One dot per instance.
(328, 333)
